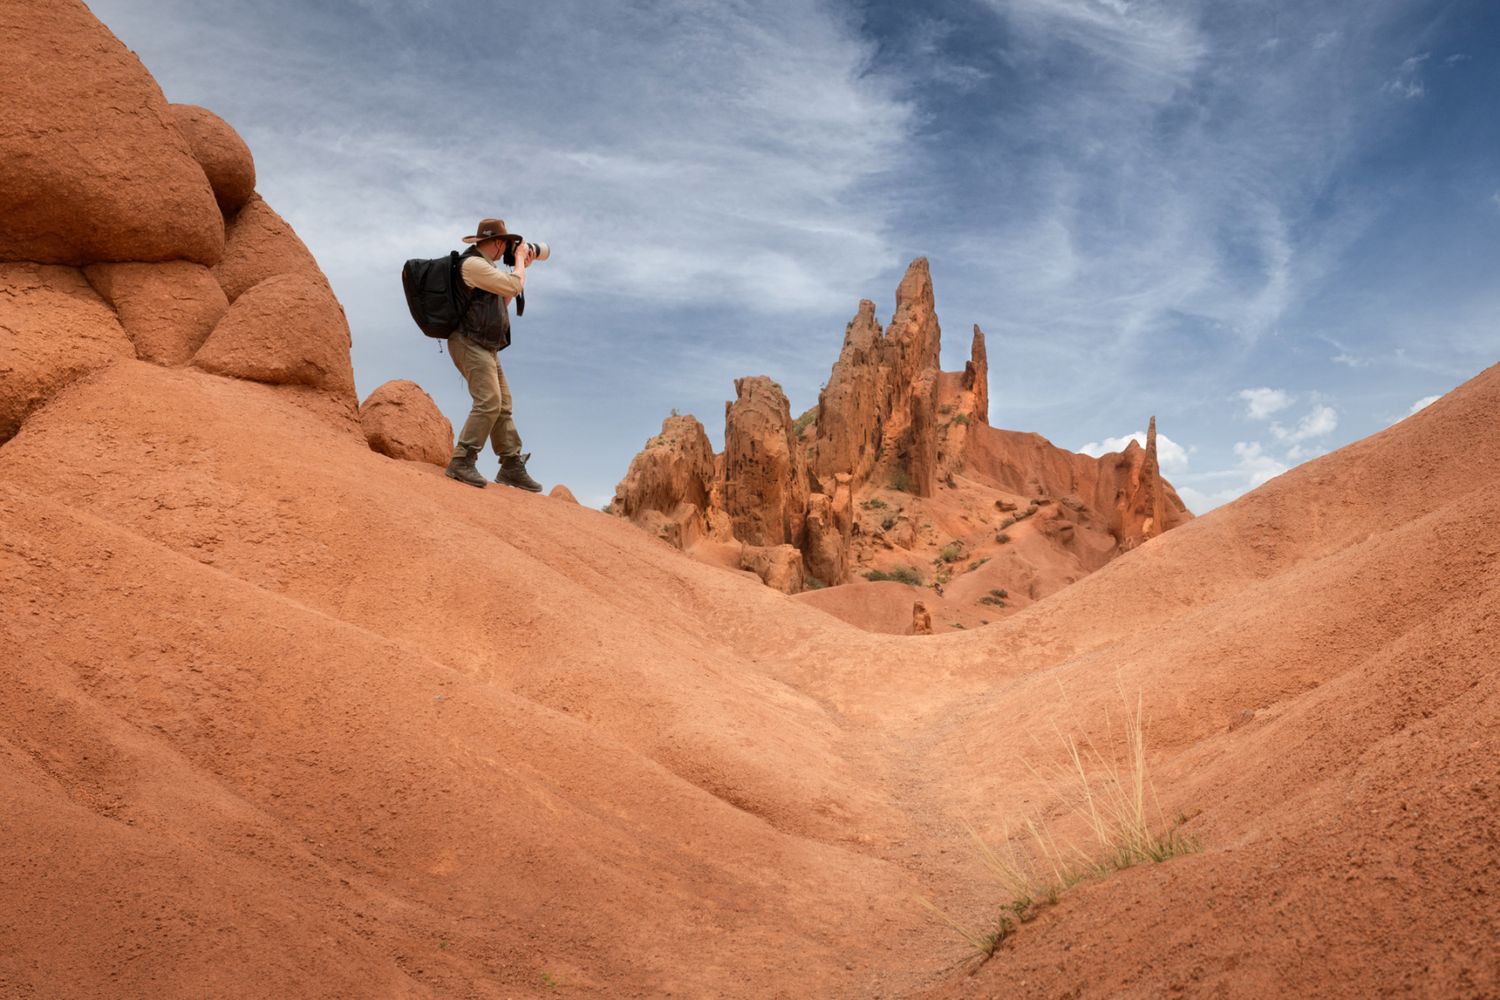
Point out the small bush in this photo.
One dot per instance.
(800, 424)
(1009, 521)
(1002, 538)
(901, 574)
(961, 420)
(888, 523)
(952, 552)
(901, 481)
(978, 563)
(874, 503)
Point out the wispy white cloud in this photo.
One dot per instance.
(1172, 456)
(1407, 83)
(1422, 404)
(1261, 403)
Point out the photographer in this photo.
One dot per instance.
(483, 333)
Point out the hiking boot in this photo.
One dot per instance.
(513, 473)
(464, 470)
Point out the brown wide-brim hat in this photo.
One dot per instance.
(491, 229)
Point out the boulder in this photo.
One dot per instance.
(53, 330)
(921, 619)
(220, 151)
(765, 476)
(287, 330)
(167, 309)
(92, 167)
(260, 245)
(561, 492)
(400, 420)
(778, 566)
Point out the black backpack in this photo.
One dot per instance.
(434, 294)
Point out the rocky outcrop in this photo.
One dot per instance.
(561, 492)
(976, 379)
(260, 245)
(287, 330)
(167, 309)
(921, 619)
(853, 408)
(765, 477)
(912, 342)
(92, 166)
(400, 420)
(668, 489)
(825, 545)
(1144, 505)
(53, 330)
(849, 479)
(219, 150)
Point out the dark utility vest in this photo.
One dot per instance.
(487, 321)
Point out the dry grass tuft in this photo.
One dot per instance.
(1117, 806)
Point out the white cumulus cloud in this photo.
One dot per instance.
(1172, 456)
(1261, 403)
(1319, 421)
(1256, 463)
(1422, 404)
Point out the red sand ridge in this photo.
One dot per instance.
(896, 473)
(286, 713)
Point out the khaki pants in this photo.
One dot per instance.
(490, 417)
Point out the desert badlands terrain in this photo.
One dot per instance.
(286, 713)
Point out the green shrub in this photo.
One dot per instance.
(961, 419)
(800, 424)
(874, 503)
(952, 552)
(901, 574)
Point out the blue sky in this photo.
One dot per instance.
(1274, 225)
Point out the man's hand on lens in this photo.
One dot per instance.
(523, 255)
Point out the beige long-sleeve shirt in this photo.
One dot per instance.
(480, 273)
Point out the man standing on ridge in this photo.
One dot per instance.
(475, 346)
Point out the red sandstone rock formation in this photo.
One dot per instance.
(260, 245)
(853, 406)
(765, 477)
(287, 330)
(858, 488)
(167, 309)
(56, 331)
(667, 489)
(219, 150)
(976, 378)
(778, 566)
(402, 421)
(561, 492)
(92, 165)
